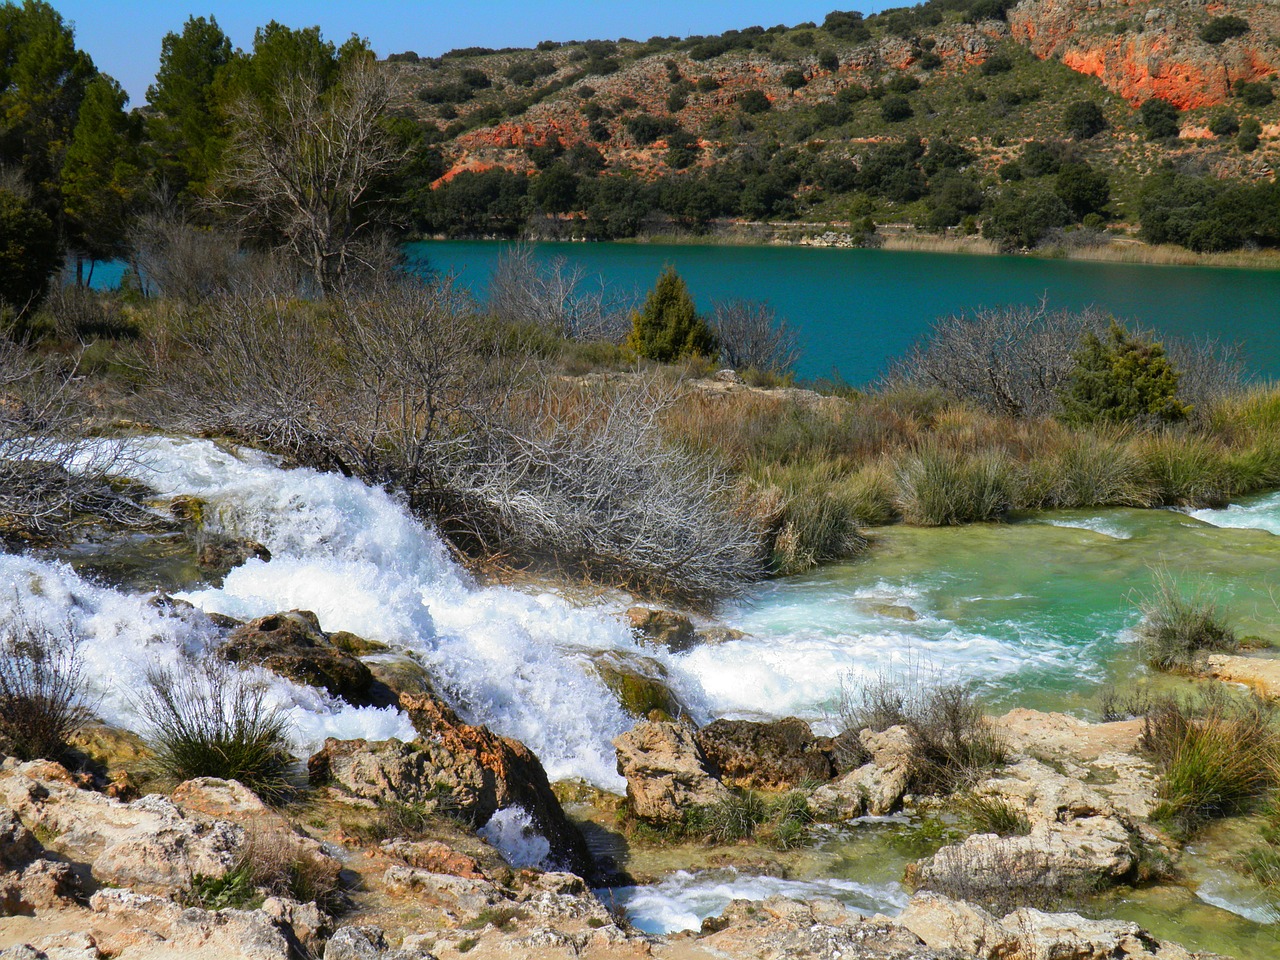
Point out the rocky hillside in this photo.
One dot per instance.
(980, 74)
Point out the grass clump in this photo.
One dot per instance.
(1177, 627)
(939, 487)
(817, 514)
(1219, 756)
(273, 862)
(44, 696)
(210, 720)
(994, 815)
(1114, 704)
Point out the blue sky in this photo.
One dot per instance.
(124, 38)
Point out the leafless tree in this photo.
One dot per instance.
(1208, 370)
(751, 337)
(1012, 361)
(51, 473)
(556, 296)
(307, 165)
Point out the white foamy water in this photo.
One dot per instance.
(807, 644)
(356, 557)
(1226, 892)
(1260, 514)
(1102, 525)
(122, 635)
(682, 900)
(512, 833)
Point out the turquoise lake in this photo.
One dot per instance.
(856, 310)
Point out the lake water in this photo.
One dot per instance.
(856, 310)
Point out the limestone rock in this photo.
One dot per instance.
(665, 771)
(946, 924)
(662, 627)
(498, 772)
(149, 844)
(293, 645)
(458, 893)
(868, 790)
(41, 885)
(153, 927)
(435, 857)
(18, 845)
(767, 756)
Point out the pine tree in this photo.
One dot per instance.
(668, 327)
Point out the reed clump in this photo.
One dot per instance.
(1179, 626)
(1219, 756)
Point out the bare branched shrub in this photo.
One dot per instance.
(81, 314)
(44, 696)
(1012, 361)
(51, 475)
(207, 719)
(556, 296)
(1016, 361)
(751, 337)
(586, 480)
(308, 165)
(191, 263)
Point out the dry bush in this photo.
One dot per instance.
(1012, 361)
(51, 474)
(584, 479)
(1002, 877)
(557, 297)
(44, 697)
(191, 263)
(952, 741)
(751, 337)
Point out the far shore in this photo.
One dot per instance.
(902, 238)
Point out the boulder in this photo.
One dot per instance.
(869, 790)
(718, 635)
(766, 756)
(666, 771)
(640, 685)
(951, 925)
(222, 554)
(469, 768)
(293, 645)
(663, 628)
(148, 845)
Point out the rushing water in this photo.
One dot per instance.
(856, 310)
(1037, 612)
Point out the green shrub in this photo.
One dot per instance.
(1221, 29)
(1224, 123)
(895, 108)
(1160, 118)
(210, 720)
(668, 326)
(1121, 379)
(1177, 627)
(939, 487)
(1083, 119)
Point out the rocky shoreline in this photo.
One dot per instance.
(91, 869)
